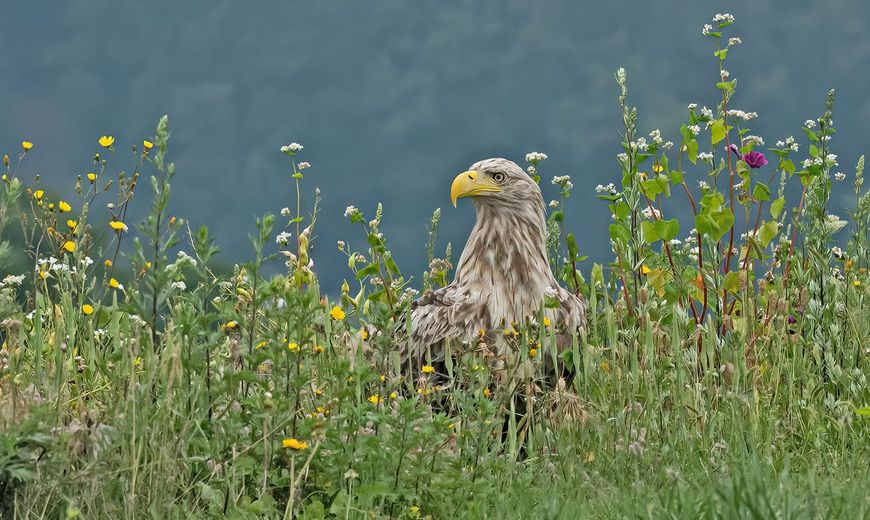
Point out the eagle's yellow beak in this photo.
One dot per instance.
(466, 184)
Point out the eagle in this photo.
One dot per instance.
(503, 276)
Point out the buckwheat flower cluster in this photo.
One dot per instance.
(695, 129)
(722, 18)
(609, 188)
(651, 213)
(705, 156)
(840, 176)
(285, 212)
(12, 280)
(707, 112)
(734, 41)
(535, 157)
(564, 181)
(809, 123)
(724, 74)
(754, 139)
(304, 165)
(746, 116)
(282, 238)
(656, 136)
(788, 143)
(292, 148)
(707, 29)
(640, 144)
(179, 286)
(351, 211)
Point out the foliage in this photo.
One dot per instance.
(722, 375)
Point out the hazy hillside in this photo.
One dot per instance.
(391, 99)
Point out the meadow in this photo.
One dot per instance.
(722, 374)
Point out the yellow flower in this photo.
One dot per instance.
(87, 309)
(382, 378)
(336, 313)
(117, 225)
(72, 224)
(294, 444)
(856, 283)
(171, 220)
(605, 366)
(38, 194)
(27, 145)
(293, 347)
(113, 283)
(487, 393)
(228, 325)
(393, 395)
(658, 168)
(69, 246)
(533, 352)
(43, 274)
(106, 141)
(427, 369)
(645, 270)
(137, 361)
(364, 334)
(92, 177)
(5, 178)
(51, 205)
(375, 399)
(589, 458)
(63, 206)
(414, 509)
(147, 144)
(642, 175)
(547, 322)
(108, 263)
(318, 349)
(262, 344)
(5, 159)
(147, 265)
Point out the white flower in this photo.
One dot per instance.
(282, 238)
(651, 213)
(754, 139)
(87, 261)
(12, 279)
(834, 224)
(723, 18)
(291, 148)
(840, 176)
(734, 41)
(724, 74)
(550, 292)
(285, 212)
(668, 145)
(184, 258)
(809, 123)
(340, 245)
(703, 185)
(562, 180)
(695, 129)
(350, 211)
(303, 165)
(532, 170)
(693, 106)
(180, 285)
(535, 157)
(705, 156)
(675, 242)
(554, 203)
(706, 29)
(837, 252)
(656, 136)
(832, 158)
(622, 156)
(98, 334)
(135, 318)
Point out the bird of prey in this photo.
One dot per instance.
(503, 274)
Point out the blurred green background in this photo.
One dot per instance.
(391, 99)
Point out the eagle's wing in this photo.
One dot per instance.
(433, 319)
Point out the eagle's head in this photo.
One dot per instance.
(498, 184)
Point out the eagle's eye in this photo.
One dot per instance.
(498, 177)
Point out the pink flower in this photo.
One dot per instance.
(755, 159)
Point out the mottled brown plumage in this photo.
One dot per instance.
(503, 273)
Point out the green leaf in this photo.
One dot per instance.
(787, 166)
(619, 234)
(648, 231)
(367, 271)
(776, 207)
(865, 411)
(676, 177)
(667, 229)
(767, 232)
(732, 282)
(761, 191)
(692, 150)
(810, 134)
(717, 131)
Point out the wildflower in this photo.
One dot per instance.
(657, 168)
(230, 325)
(375, 399)
(106, 141)
(179, 285)
(350, 212)
(292, 148)
(427, 369)
(546, 321)
(135, 318)
(605, 366)
(734, 41)
(554, 203)
(108, 263)
(564, 181)
(705, 156)
(609, 188)
(304, 165)
(87, 309)
(337, 313)
(11, 280)
(317, 349)
(809, 123)
(707, 29)
(535, 157)
(723, 18)
(294, 444)
(651, 213)
(92, 177)
(695, 129)
(414, 510)
(707, 112)
(72, 225)
(740, 114)
(114, 284)
(550, 292)
(5, 159)
(533, 352)
(285, 212)
(656, 136)
(282, 238)
(856, 283)
(724, 74)
(63, 206)
(693, 106)
(293, 347)
(840, 176)
(147, 144)
(118, 226)
(754, 159)
(38, 194)
(69, 246)
(27, 145)
(645, 269)
(487, 393)
(832, 158)
(754, 139)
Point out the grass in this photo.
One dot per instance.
(136, 381)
